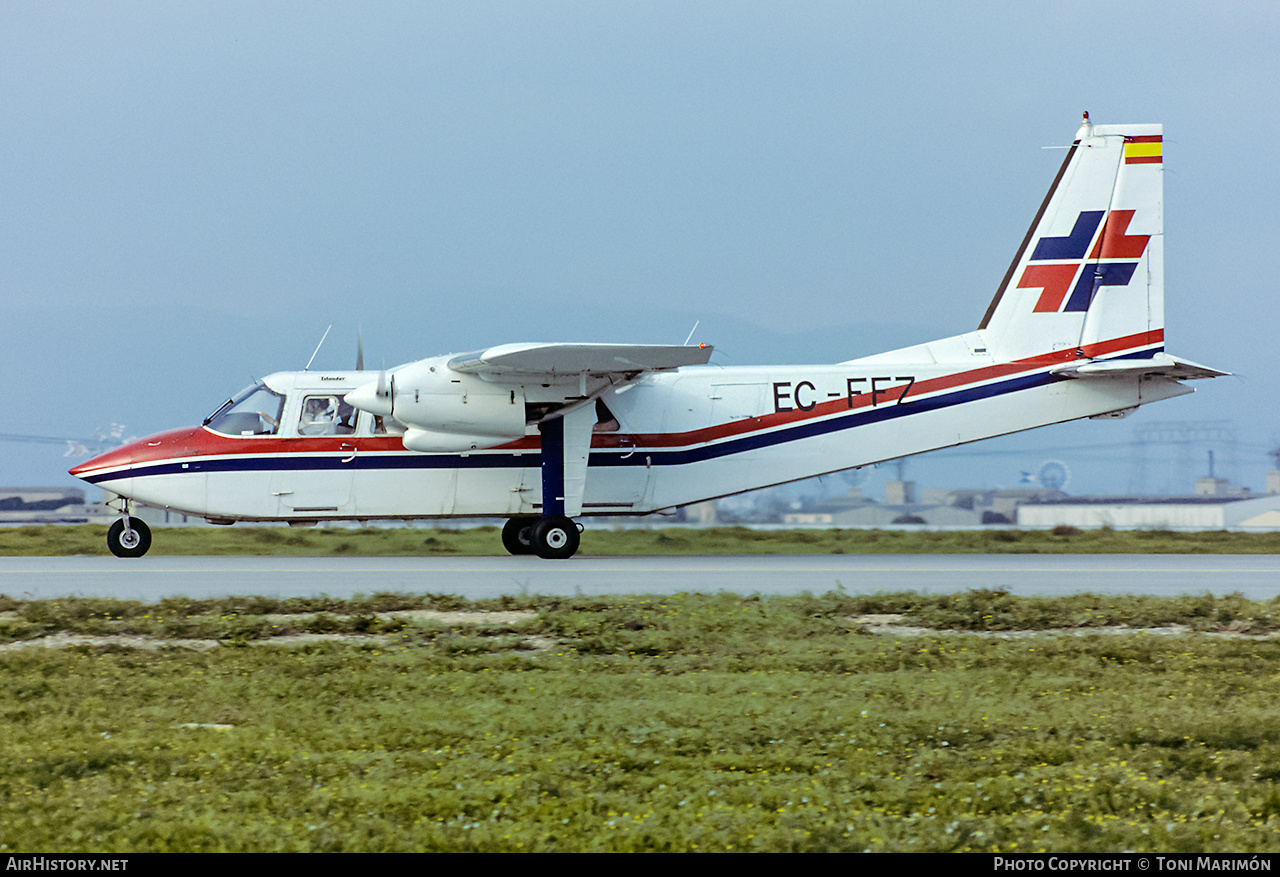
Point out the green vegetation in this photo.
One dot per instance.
(690, 722)
(601, 540)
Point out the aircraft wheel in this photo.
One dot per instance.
(555, 537)
(517, 535)
(131, 541)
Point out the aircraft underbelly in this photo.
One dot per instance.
(183, 491)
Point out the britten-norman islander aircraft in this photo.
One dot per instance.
(542, 433)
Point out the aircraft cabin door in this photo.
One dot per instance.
(314, 474)
(736, 404)
(313, 484)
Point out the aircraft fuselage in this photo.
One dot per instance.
(674, 438)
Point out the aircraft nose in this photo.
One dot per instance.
(116, 462)
(121, 456)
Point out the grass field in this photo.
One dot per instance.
(690, 722)
(603, 540)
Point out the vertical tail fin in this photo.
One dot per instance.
(1089, 275)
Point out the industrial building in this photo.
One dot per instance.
(1199, 512)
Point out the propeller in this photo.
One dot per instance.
(386, 389)
(376, 398)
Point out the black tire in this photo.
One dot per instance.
(517, 535)
(555, 537)
(133, 542)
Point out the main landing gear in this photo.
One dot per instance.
(129, 537)
(553, 537)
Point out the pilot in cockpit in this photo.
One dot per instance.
(319, 414)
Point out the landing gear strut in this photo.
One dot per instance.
(129, 537)
(554, 537)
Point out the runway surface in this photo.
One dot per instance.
(152, 578)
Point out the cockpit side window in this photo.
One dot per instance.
(327, 415)
(254, 411)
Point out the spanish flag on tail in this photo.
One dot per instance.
(1143, 150)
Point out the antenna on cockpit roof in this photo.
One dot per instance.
(318, 346)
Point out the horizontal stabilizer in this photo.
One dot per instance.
(576, 359)
(1162, 364)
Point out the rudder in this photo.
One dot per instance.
(1089, 275)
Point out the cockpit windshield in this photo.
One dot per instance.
(254, 410)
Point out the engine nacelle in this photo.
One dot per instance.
(445, 410)
(429, 440)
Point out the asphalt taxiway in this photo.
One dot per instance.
(154, 577)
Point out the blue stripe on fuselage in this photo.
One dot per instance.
(631, 456)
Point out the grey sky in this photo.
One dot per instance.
(192, 192)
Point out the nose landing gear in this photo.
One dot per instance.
(129, 537)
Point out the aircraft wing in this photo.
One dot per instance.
(576, 359)
(566, 432)
(1162, 364)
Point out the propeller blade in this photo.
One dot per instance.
(359, 348)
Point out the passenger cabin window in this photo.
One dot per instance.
(254, 410)
(326, 415)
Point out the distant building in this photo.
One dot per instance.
(856, 510)
(899, 493)
(914, 513)
(971, 507)
(1199, 512)
(39, 498)
(1210, 486)
(992, 506)
(40, 505)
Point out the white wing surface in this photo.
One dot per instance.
(559, 360)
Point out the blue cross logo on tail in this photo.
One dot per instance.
(1057, 262)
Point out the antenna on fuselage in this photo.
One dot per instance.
(318, 346)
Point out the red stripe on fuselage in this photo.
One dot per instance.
(203, 442)
(890, 395)
(198, 441)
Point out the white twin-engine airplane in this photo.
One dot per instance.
(541, 433)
